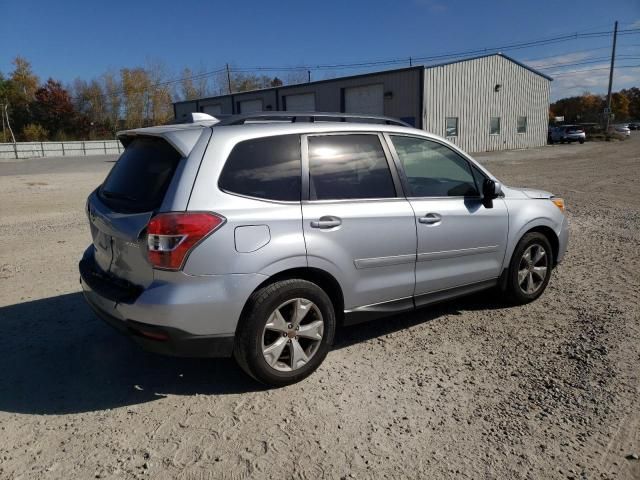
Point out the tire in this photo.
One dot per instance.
(267, 344)
(581, 141)
(522, 288)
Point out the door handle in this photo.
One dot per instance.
(326, 222)
(430, 219)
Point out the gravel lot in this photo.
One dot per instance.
(467, 389)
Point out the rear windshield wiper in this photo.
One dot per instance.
(118, 195)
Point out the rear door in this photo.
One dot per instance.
(120, 209)
(355, 224)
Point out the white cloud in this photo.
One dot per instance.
(558, 59)
(577, 81)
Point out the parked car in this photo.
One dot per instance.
(634, 126)
(622, 129)
(252, 239)
(568, 134)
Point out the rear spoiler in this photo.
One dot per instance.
(181, 138)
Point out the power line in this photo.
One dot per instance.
(584, 70)
(586, 62)
(387, 62)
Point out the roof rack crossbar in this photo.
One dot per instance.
(309, 117)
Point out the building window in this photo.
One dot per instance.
(494, 127)
(451, 126)
(522, 124)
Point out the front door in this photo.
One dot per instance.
(355, 224)
(461, 243)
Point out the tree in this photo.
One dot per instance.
(113, 101)
(633, 95)
(584, 108)
(135, 89)
(19, 92)
(53, 109)
(34, 133)
(620, 106)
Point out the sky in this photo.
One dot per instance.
(70, 39)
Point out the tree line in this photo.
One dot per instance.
(128, 98)
(589, 108)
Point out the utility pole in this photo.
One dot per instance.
(613, 58)
(308, 76)
(410, 62)
(228, 78)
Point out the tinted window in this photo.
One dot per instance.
(141, 176)
(451, 126)
(522, 124)
(494, 127)
(434, 170)
(268, 168)
(348, 166)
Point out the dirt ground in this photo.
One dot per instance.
(467, 389)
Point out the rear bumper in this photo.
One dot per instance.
(177, 314)
(167, 340)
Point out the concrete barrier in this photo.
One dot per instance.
(59, 149)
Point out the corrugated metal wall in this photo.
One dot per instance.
(402, 100)
(466, 90)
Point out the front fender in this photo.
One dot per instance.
(526, 215)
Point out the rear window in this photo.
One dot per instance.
(268, 168)
(140, 178)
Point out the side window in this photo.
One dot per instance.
(269, 168)
(434, 170)
(451, 126)
(522, 124)
(348, 167)
(494, 126)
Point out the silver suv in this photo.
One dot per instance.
(256, 236)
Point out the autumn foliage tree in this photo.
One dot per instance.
(53, 110)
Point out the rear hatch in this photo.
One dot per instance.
(120, 209)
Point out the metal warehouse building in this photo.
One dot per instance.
(490, 102)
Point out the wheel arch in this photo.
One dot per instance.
(551, 236)
(320, 277)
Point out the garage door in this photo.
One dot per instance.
(212, 109)
(304, 102)
(250, 106)
(367, 99)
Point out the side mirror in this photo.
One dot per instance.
(490, 190)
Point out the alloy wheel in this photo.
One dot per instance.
(292, 334)
(533, 269)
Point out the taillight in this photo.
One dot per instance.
(171, 236)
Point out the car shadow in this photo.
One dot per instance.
(57, 357)
(349, 335)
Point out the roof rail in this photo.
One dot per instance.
(308, 117)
